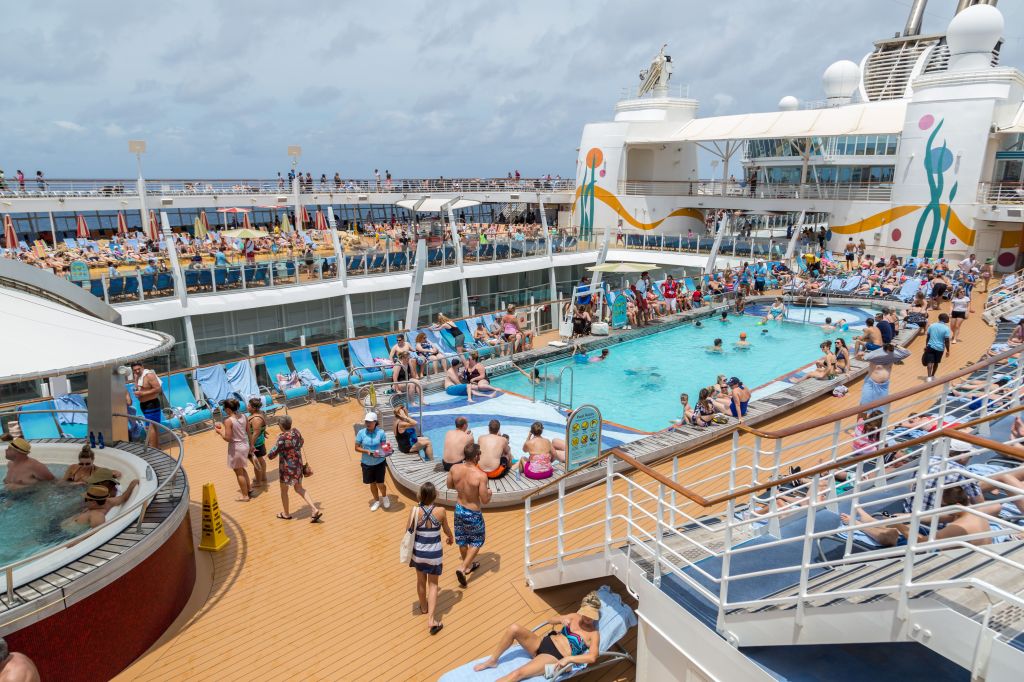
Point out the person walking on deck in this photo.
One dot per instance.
(426, 522)
(471, 484)
(291, 468)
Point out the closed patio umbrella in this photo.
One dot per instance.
(81, 227)
(153, 232)
(122, 224)
(246, 225)
(321, 221)
(10, 237)
(198, 228)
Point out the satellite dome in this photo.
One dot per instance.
(789, 103)
(976, 29)
(841, 80)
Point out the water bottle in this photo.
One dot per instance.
(92, 439)
(101, 441)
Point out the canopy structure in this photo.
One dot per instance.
(623, 267)
(244, 233)
(868, 118)
(432, 205)
(44, 338)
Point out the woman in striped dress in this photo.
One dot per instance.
(428, 522)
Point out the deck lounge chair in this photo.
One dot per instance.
(616, 620)
(302, 359)
(185, 411)
(213, 381)
(35, 424)
(243, 382)
(277, 364)
(71, 417)
(362, 361)
(472, 344)
(909, 290)
(334, 366)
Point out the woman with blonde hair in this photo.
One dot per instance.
(573, 639)
(445, 323)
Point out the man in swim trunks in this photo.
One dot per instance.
(455, 442)
(147, 389)
(870, 340)
(876, 383)
(495, 453)
(22, 470)
(470, 482)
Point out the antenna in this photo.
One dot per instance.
(655, 77)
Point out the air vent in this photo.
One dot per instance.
(167, 202)
(1014, 213)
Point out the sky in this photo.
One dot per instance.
(473, 88)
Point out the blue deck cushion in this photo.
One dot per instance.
(334, 364)
(277, 364)
(36, 425)
(363, 367)
(302, 359)
(183, 402)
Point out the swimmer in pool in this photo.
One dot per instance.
(828, 327)
(98, 502)
(535, 377)
(697, 324)
(600, 358)
(716, 347)
(724, 319)
(777, 311)
(81, 473)
(742, 344)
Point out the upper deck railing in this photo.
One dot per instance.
(854, 191)
(73, 188)
(1001, 193)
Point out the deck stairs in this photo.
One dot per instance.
(722, 581)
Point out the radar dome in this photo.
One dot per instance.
(976, 29)
(841, 80)
(789, 103)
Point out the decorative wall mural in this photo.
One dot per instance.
(595, 158)
(935, 217)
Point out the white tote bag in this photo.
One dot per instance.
(408, 539)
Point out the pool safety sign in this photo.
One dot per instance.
(214, 538)
(582, 437)
(79, 271)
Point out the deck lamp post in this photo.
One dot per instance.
(138, 148)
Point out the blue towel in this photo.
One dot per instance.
(242, 379)
(214, 383)
(70, 401)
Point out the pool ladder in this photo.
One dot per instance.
(557, 402)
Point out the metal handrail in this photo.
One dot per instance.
(572, 379)
(140, 504)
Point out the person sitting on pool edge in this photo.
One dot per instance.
(495, 453)
(716, 347)
(740, 396)
(456, 383)
(540, 452)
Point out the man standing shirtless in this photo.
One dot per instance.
(22, 470)
(495, 453)
(471, 484)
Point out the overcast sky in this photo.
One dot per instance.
(468, 88)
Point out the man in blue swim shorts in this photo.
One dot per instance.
(470, 482)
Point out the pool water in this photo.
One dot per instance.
(30, 518)
(640, 382)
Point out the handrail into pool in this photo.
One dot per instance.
(142, 503)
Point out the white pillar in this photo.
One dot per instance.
(457, 243)
(791, 247)
(142, 200)
(53, 229)
(297, 202)
(709, 267)
(552, 279)
(412, 310)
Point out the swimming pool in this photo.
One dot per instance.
(640, 382)
(30, 518)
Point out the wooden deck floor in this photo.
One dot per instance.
(291, 600)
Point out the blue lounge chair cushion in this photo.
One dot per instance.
(38, 424)
(616, 619)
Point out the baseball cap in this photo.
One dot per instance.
(370, 417)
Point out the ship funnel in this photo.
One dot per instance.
(916, 16)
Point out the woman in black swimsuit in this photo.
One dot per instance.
(446, 324)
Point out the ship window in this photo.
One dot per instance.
(869, 145)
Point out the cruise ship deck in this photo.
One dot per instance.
(291, 600)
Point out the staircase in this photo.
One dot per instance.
(728, 583)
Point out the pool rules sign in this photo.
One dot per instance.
(582, 437)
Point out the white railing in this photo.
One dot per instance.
(1001, 193)
(1007, 296)
(138, 507)
(673, 528)
(866, 191)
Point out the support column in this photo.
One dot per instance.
(107, 397)
(297, 202)
(342, 272)
(190, 342)
(141, 188)
(172, 255)
(412, 310)
(791, 247)
(53, 229)
(552, 279)
(457, 243)
(710, 266)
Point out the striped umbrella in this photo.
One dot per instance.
(81, 228)
(154, 231)
(246, 225)
(122, 224)
(304, 218)
(321, 221)
(10, 237)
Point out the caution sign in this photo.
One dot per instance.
(214, 538)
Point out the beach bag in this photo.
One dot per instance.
(719, 419)
(408, 539)
(307, 470)
(840, 391)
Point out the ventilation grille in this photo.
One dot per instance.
(939, 59)
(887, 69)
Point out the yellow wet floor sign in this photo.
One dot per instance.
(214, 538)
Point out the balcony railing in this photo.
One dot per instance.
(1001, 193)
(859, 191)
(71, 188)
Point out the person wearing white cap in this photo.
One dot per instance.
(369, 444)
(23, 470)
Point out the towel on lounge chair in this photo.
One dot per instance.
(75, 406)
(241, 378)
(215, 384)
(616, 619)
(307, 378)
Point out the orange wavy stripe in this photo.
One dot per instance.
(876, 221)
(956, 226)
(613, 203)
(1010, 240)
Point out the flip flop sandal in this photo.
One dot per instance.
(316, 517)
(472, 569)
(434, 629)
(281, 516)
(461, 578)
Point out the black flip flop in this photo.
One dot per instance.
(472, 569)
(316, 517)
(281, 516)
(461, 578)
(434, 629)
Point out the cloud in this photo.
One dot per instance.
(70, 125)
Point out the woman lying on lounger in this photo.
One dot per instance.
(573, 639)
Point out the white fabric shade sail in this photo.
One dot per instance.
(870, 118)
(42, 338)
(431, 205)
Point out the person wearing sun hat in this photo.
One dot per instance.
(23, 470)
(574, 639)
(98, 501)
